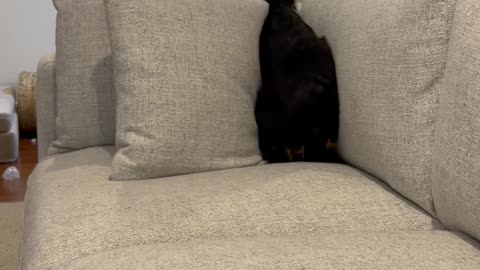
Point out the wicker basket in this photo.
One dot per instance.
(27, 119)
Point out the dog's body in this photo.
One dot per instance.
(297, 107)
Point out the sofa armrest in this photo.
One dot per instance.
(45, 98)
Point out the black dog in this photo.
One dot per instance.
(297, 106)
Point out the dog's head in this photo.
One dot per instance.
(290, 3)
(295, 4)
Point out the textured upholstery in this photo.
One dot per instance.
(45, 96)
(428, 250)
(389, 56)
(73, 211)
(456, 174)
(85, 97)
(186, 76)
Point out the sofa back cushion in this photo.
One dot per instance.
(389, 55)
(186, 74)
(456, 170)
(45, 97)
(85, 97)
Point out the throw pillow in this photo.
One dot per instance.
(186, 75)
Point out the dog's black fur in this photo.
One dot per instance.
(297, 106)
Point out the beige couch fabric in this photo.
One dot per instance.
(45, 96)
(85, 96)
(186, 75)
(73, 211)
(389, 56)
(427, 250)
(456, 174)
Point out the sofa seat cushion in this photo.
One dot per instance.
(365, 250)
(73, 210)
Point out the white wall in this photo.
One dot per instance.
(27, 32)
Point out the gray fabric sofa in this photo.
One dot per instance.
(409, 198)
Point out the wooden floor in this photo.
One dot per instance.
(14, 191)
